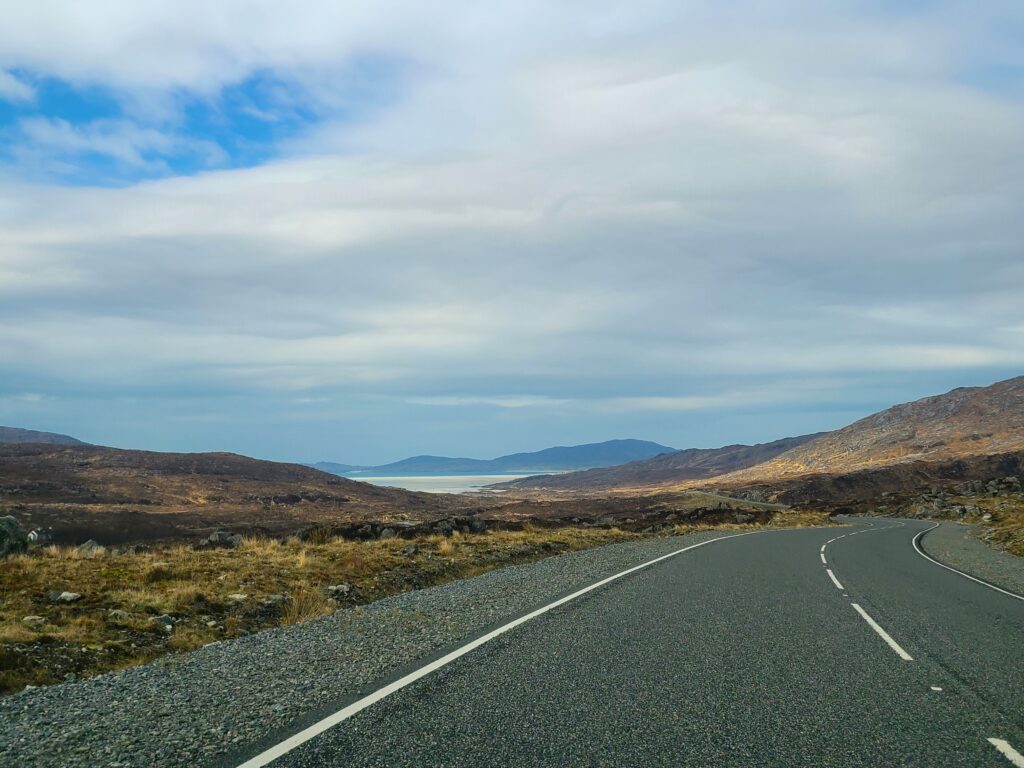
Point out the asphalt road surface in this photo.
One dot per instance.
(782, 648)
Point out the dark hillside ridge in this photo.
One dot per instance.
(20, 436)
(117, 496)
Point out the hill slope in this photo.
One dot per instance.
(118, 495)
(559, 458)
(667, 469)
(968, 421)
(22, 436)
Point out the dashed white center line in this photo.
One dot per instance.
(834, 579)
(1011, 754)
(936, 688)
(883, 634)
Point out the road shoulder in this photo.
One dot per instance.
(958, 546)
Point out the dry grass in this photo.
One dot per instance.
(1006, 528)
(195, 588)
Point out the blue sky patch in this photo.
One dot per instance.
(91, 135)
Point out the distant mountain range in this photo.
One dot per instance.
(668, 468)
(557, 459)
(22, 436)
(966, 422)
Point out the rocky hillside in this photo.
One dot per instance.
(969, 421)
(21, 436)
(966, 422)
(664, 470)
(116, 495)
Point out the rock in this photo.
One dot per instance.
(33, 621)
(40, 536)
(339, 590)
(274, 600)
(238, 597)
(91, 548)
(743, 517)
(211, 624)
(63, 597)
(412, 549)
(118, 615)
(388, 533)
(220, 540)
(13, 538)
(477, 526)
(165, 622)
(987, 517)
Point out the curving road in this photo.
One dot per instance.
(812, 647)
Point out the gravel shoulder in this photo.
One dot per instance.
(188, 710)
(958, 546)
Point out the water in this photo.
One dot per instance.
(436, 483)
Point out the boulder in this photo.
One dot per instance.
(118, 615)
(477, 526)
(33, 621)
(412, 549)
(165, 622)
(40, 536)
(388, 533)
(63, 597)
(743, 517)
(220, 540)
(237, 597)
(13, 538)
(338, 590)
(91, 548)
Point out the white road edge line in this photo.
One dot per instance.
(341, 715)
(823, 560)
(883, 634)
(1008, 752)
(921, 552)
(834, 579)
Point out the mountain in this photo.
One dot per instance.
(16, 435)
(666, 469)
(116, 495)
(559, 458)
(968, 421)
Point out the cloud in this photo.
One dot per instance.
(563, 217)
(13, 89)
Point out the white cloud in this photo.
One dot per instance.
(13, 89)
(607, 211)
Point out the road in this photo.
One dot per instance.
(808, 647)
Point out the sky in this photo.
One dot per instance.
(360, 231)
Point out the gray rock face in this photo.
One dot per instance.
(91, 548)
(13, 538)
(220, 540)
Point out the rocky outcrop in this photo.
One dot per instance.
(13, 538)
